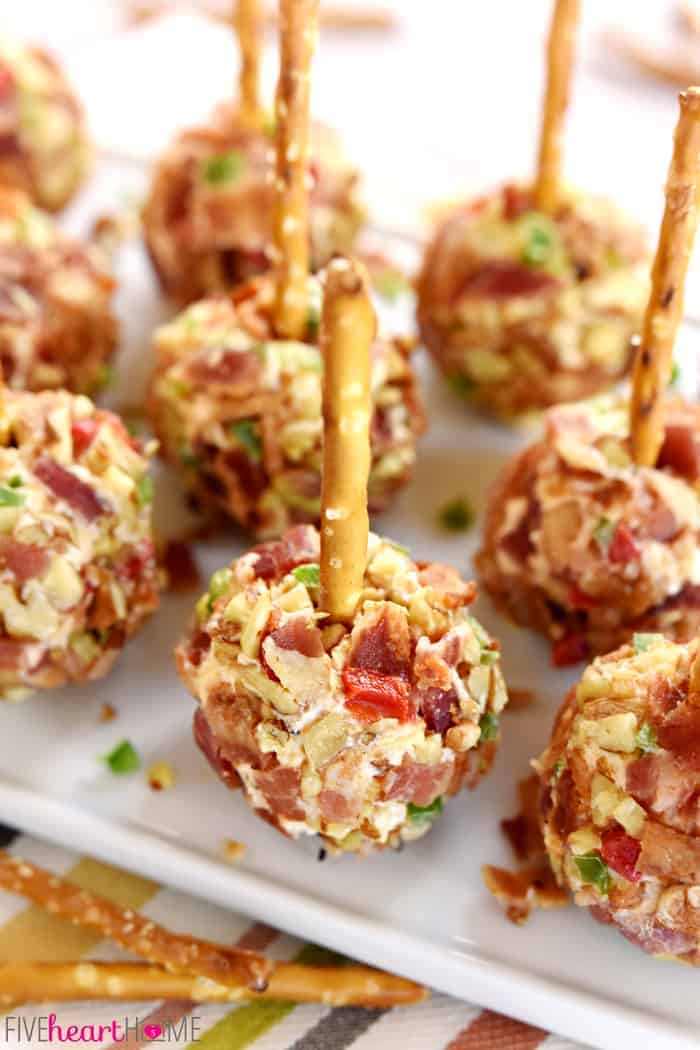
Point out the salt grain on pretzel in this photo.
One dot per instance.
(298, 32)
(654, 358)
(175, 952)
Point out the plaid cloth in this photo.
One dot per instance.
(27, 932)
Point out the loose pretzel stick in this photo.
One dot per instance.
(128, 929)
(653, 361)
(247, 18)
(298, 31)
(560, 60)
(348, 325)
(332, 985)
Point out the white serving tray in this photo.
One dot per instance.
(423, 913)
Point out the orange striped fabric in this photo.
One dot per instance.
(490, 1031)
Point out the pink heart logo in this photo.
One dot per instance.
(153, 1031)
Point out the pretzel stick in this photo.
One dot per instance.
(293, 982)
(128, 929)
(247, 19)
(654, 358)
(330, 17)
(560, 60)
(348, 325)
(298, 31)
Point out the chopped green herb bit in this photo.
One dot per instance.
(675, 377)
(489, 657)
(224, 167)
(11, 497)
(642, 641)
(399, 547)
(593, 869)
(247, 434)
(15, 481)
(460, 384)
(424, 814)
(456, 516)
(309, 575)
(313, 321)
(391, 284)
(489, 726)
(603, 533)
(646, 739)
(144, 490)
(123, 758)
(218, 585)
(538, 245)
(557, 769)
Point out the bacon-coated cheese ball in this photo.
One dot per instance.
(355, 734)
(585, 546)
(208, 217)
(56, 325)
(77, 570)
(240, 411)
(44, 147)
(521, 310)
(619, 785)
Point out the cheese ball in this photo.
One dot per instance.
(586, 547)
(521, 310)
(44, 147)
(56, 325)
(77, 570)
(619, 784)
(208, 217)
(239, 411)
(355, 735)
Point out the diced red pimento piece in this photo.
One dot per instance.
(621, 852)
(25, 560)
(83, 432)
(68, 487)
(503, 278)
(623, 546)
(369, 695)
(578, 599)
(570, 650)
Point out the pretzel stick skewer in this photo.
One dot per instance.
(298, 32)
(149, 940)
(560, 60)
(332, 985)
(247, 20)
(654, 358)
(348, 325)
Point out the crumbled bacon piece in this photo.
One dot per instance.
(66, 486)
(521, 891)
(570, 650)
(680, 451)
(501, 279)
(299, 635)
(435, 708)
(180, 566)
(516, 201)
(24, 560)
(381, 643)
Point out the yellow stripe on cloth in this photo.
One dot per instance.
(242, 1026)
(36, 935)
